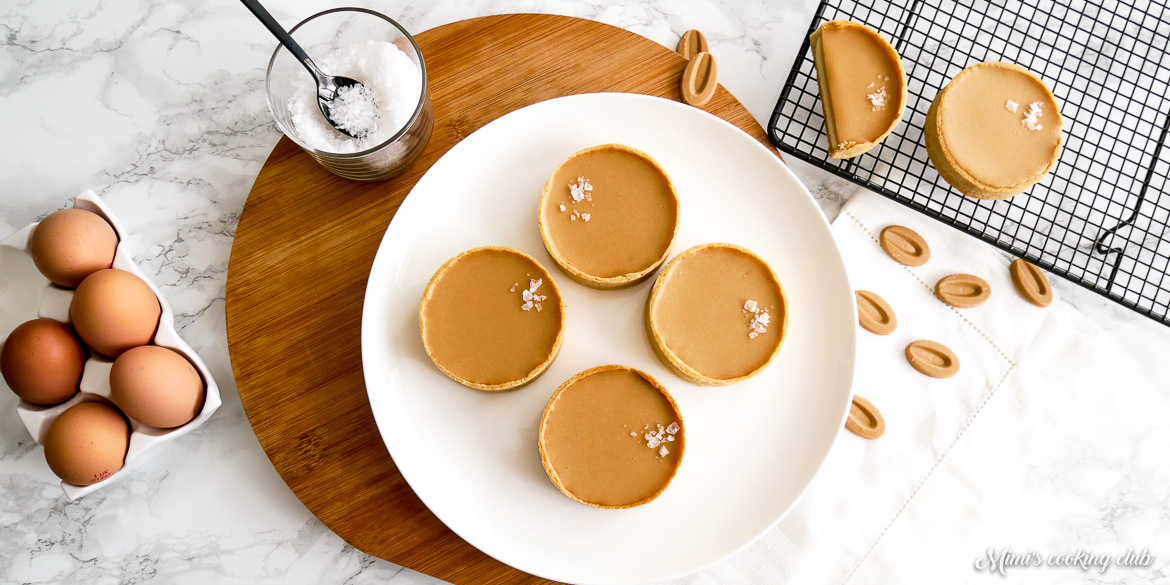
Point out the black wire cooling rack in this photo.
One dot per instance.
(1100, 218)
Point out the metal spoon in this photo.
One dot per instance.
(327, 85)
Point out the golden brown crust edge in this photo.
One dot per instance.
(680, 444)
(837, 149)
(589, 280)
(676, 364)
(966, 184)
(511, 385)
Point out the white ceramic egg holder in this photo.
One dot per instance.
(95, 381)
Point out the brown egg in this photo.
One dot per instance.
(156, 386)
(42, 361)
(113, 311)
(87, 443)
(71, 244)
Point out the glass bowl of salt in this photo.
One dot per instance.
(394, 126)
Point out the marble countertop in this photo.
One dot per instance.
(159, 107)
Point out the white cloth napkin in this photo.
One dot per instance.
(955, 472)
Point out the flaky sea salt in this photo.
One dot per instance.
(562, 207)
(657, 439)
(390, 75)
(1012, 106)
(531, 299)
(581, 190)
(878, 99)
(759, 319)
(355, 110)
(1032, 118)
(585, 216)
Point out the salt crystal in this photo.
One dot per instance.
(663, 452)
(529, 296)
(384, 69)
(878, 99)
(760, 319)
(580, 190)
(1032, 118)
(633, 434)
(659, 437)
(1011, 106)
(355, 110)
(585, 216)
(562, 207)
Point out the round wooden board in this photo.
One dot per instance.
(304, 247)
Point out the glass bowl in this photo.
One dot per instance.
(329, 32)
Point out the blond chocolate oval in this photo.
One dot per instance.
(963, 291)
(692, 43)
(1031, 283)
(700, 79)
(904, 245)
(875, 314)
(932, 358)
(865, 420)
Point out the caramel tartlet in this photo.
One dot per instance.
(608, 216)
(611, 437)
(716, 314)
(862, 85)
(492, 318)
(994, 130)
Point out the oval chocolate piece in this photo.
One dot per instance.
(1031, 283)
(904, 245)
(932, 358)
(864, 419)
(692, 43)
(875, 314)
(962, 290)
(700, 79)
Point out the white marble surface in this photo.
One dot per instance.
(159, 107)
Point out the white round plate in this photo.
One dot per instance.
(752, 448)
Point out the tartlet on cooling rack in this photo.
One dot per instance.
(862, 84)
(994, 130)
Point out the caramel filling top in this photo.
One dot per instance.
(595, 437)
(621, 219)
(864, 83)
(985, 128)
(475, 323)
(710, 312)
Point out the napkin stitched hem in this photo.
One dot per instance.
(958, 435)
(937, 463)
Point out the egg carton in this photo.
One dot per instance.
(95, 380)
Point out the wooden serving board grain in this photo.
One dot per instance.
(304, 247)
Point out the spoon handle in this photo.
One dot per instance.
(282, 36)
